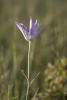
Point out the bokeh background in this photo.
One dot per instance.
(48, 51)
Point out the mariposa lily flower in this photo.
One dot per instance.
(31, 33)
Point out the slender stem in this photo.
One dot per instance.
(28, 71)
(29, 60)
(27, 90)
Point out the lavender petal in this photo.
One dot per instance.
(23, 29)
(35, 26)
(31, 23)
(42, 29)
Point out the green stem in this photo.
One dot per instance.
(28, 71)
(29, 60)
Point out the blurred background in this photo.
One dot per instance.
(48, 51)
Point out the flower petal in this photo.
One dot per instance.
(35, 34)
(23, 29)
(42, 29)
(35, 26)
(31, 23)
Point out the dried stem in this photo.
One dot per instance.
(34, 78)
(24, 74)
(35, 94)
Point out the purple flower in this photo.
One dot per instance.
(31, 33)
